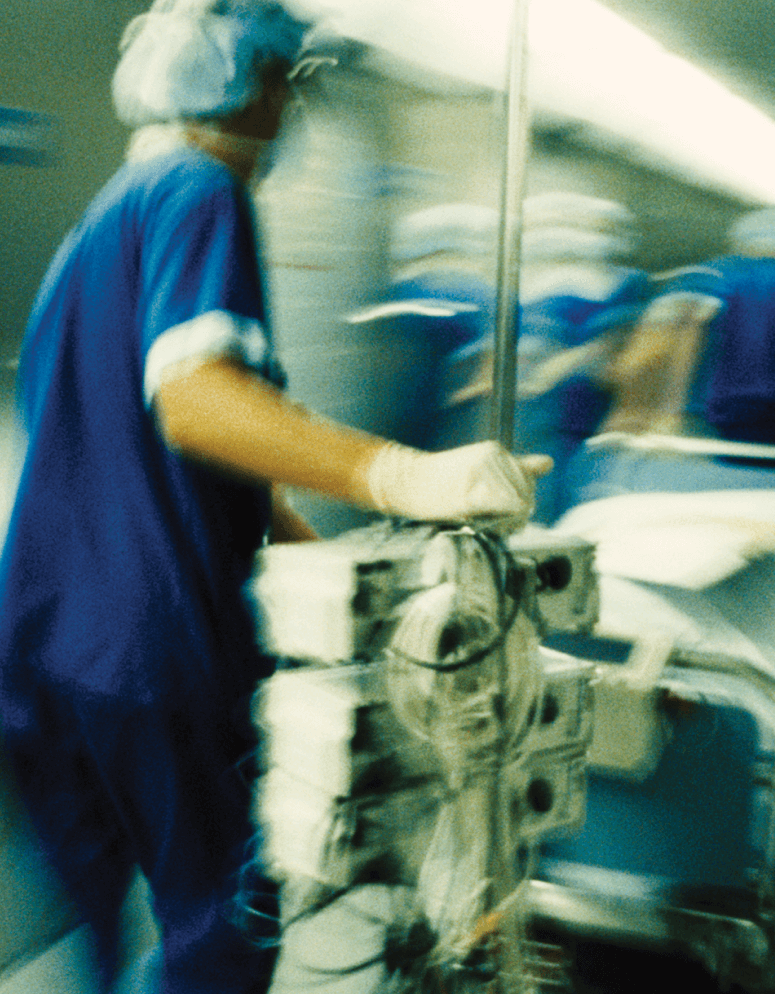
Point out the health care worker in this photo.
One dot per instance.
(157, 434)
(700, 362)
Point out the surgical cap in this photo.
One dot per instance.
(200, 58)
(575, 210)
(754, 232)
(573, 226)
(465, 228)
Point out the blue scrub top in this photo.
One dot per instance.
(734, 386)
(558, 421)
(123, 566)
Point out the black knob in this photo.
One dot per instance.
(554, 573)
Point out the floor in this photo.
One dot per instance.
(67, 967)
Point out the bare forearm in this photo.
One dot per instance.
(287, 525)
(668, 324)
(222, 414)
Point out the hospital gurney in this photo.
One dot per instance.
(675, 861)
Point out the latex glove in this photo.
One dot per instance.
(473, 481)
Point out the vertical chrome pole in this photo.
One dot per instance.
(517, 130)
(504, 876)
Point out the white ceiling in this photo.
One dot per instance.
(586, 66)
(731, 39)
(734, 40)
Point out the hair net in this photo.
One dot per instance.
(754, 232)
(200, 58)
(573, 226)
(558, 243)
(576, 210)
(464, 228)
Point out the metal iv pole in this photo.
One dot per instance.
(502, 872)
(516, 129)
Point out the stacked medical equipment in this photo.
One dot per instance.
(418, 736)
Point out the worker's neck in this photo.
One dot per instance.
(239, 154)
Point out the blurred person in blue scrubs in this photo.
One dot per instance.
(701, 362)
(578, 300)
(159, 440)
(704, 354)
(441, 299)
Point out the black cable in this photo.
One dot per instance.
(320, 905)
(486, 543)
(256, 901)
(330, 898)
(345, 971)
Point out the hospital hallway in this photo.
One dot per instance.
(515, 727)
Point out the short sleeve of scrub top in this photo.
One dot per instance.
(200, 281)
